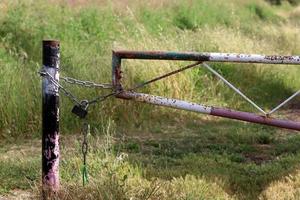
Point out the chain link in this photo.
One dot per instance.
(86, 132)
(70, 95)
(65, 91)
(88, 84)
(104, 97)
(86, 103)
(84, 149)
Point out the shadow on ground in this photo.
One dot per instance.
(242, 157)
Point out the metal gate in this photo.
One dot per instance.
(203, 58)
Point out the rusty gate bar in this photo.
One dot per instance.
(204, 57)
(50, 120)
(221, 112)
(213, 57)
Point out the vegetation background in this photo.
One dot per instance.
(140, 151)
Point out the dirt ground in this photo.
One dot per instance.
(18, 195)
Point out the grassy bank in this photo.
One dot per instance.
(167, 149)
(89, 31)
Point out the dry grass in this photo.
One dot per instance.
(111, 177)
(287, 188)
(18, 195)
(117, 5)
(294, 16)
(137, 188)
(90, 29)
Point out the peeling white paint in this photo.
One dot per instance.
(48, 86)
(167, 102)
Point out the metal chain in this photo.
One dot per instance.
(84, 149)
(88, 84)
(86, 131)
(69, 94)
(104, 97)
(65, 91)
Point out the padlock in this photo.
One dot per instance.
(81, 110)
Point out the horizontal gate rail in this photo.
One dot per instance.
(213, 57)
(221, 112)
(201, 57)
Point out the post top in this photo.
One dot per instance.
(49, 42)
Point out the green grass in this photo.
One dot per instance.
(88, 34)
(168, 149)
(19, 174)
(246, 158)
(236, 160)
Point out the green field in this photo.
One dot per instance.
(141, 151)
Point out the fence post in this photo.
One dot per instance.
(50, 120)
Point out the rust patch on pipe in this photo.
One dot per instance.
(279, 58)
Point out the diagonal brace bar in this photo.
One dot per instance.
(284, 102)
(234, 88)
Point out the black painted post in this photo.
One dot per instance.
(50, 121)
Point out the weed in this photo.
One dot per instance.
(183, 157)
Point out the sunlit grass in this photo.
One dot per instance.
(89, 31)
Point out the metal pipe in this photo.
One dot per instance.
(50, 120)
(162, 101)
(221, 112)
(214, 57)
(116, 71)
